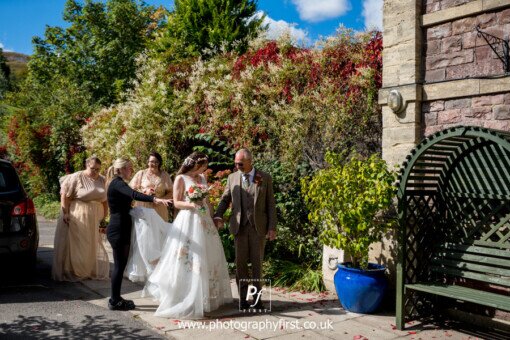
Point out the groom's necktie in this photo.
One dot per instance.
(246, 181)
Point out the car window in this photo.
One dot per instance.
(8, 178)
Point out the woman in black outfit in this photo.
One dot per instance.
(120, 197)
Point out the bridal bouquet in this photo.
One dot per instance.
(196, 193)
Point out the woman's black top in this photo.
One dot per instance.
(120, 197)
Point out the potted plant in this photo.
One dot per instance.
(350, 201)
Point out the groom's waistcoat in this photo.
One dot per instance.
(248, 206)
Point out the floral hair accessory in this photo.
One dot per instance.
(189, 161)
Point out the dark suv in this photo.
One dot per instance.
(19, 234)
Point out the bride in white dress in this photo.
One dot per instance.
(192, 275)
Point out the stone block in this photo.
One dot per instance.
(501, 112)
(486, 20)
(391, 76)
(458, 71)
(430, 130)
(485, 54)
(430, 118)
(453, 3)
(471, 39)
(433, 106)
(437, 105)
(449, 14)
(433, 47)
(475, 69)
(450, 59)
(453, 89)
(464, 25)
(390, 119)
(481, 101)
(433, 76)
(327, 273)
(451, 44)
(409, 73)
(493, 4)
(503, 125)
(403, 134)
(458, 103)
(432, 7)
(495, 85)
(439, 31)
(503, 17)
(449, 116)
(395, 155)
(476, 112)
(506, 98)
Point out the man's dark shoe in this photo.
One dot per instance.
(121, 305)
(259, 305)
(244, 305)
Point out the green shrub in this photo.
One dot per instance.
(294, 276)
(47, 206)
(350, 201)
(297, 239)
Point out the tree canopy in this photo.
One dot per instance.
(98, 49)
(196, 26)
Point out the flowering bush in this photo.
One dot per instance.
(146, 121)
(288, 104)
(293, 103)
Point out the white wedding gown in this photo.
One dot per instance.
(192, 275)
(147, 241)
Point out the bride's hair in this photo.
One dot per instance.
(192, 160)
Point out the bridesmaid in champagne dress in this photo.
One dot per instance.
(147, 241)
(79, 252)
(154, 182)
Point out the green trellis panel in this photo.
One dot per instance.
(454, 190)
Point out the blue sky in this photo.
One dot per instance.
(305, 20)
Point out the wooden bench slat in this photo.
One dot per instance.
(498, 280)
(483, 258)
(478, 249)
(465, 294)
(468, 266)
(490, 243)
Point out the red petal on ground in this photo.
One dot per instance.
(359, 337)
(411, 332)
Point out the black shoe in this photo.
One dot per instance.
(129, 303)
(121, 305)
(244, 305)
(259, 305)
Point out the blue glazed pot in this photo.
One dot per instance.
(360, 291)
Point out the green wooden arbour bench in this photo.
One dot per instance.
(454, 229)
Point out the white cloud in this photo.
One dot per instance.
(373, 14)
(320, 10)
(277, 28)
(1, 45)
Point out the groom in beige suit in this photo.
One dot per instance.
(253, 220)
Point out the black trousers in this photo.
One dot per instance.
(120, 258)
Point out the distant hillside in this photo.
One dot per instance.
(18, 64)
(16, 57)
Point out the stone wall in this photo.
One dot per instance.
(431, 6)
(491, 111)
(455, 51)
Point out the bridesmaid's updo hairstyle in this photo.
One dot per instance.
(196, 158)
(158, 157)
(94, 159)
(114, 170)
